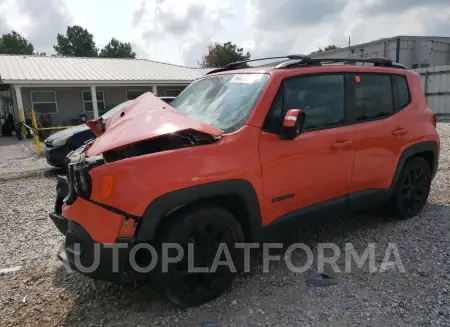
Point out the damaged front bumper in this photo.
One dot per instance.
(81, 252)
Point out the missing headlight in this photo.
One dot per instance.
(163, 143)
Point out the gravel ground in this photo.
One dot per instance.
(20, 155)
(42, 293)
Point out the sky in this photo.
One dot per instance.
(179, 31)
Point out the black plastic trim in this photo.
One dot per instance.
(324, 210)
(364, 200)
(283, 197)
(114, 210)
(76, 234)
(164, 204)
(413, 150)
(59, 221)
(356, 202)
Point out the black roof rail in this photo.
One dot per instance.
(298, 60)
(236, 64)
(379, 62)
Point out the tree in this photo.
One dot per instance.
(117, 49)
(327, 48)
(14, 43)
(220, 55)
(77, 42)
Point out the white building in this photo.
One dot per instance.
(411, 51)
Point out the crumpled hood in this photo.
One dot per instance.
(148, 117)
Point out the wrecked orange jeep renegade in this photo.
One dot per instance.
(240, 153)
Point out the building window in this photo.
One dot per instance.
(44, 101)
(87, 101)
(415, 66)
(172, 92)
(133, 94)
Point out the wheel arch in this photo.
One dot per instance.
(238, 196)
(429, 150)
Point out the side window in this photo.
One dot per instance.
(373, 96)
(276, 114)
(321, 97)
(403, 91)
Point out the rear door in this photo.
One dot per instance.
(379, 133)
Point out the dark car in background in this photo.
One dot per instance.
(59, 144)
(167, 99)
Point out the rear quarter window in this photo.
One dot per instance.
(404, 97)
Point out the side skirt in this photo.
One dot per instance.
(361, 201)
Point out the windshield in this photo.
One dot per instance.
(115, 110)
(223, 101)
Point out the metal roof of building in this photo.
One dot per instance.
(18, 69)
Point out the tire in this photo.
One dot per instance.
(204, 227)
(411, 191)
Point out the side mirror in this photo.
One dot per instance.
(293, 124)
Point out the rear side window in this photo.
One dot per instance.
(373, 96)
(403, 91)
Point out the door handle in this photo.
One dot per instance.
(399, 131)
(340, 145)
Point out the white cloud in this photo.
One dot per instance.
(179, 31)
(46, 18)
(190, 24)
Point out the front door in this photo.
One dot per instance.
(316, 167)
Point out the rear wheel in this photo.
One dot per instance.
(412, 190)
(204, 228)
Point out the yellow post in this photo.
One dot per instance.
(22, 128)
(35, 131)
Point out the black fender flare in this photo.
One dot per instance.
(413, 150)
(164, 204)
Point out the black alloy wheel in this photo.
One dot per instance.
(412, 190)
(201, 232)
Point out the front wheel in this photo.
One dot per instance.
(412, 190)
(206, 230)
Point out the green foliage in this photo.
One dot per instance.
(77, 42)
(117, 49)
(14, 43)
(220, 55)
(328, 48)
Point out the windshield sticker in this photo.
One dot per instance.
(245, 79)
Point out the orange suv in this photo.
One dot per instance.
(240, 153)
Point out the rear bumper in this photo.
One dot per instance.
(82, 254)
